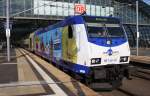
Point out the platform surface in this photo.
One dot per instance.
(140, 59)
(28, 75)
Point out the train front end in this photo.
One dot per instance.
(109, 51)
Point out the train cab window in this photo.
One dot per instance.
(70, 32)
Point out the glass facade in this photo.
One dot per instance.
(42, 8)
(144, 39)
(127, 13)
(58, 8)
(61, 8)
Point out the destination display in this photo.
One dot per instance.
(101, 25)
(110, 20)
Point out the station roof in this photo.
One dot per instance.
(23, 26)
(143, 6)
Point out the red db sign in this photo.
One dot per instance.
(80, 8)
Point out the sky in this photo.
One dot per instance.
(147, 1)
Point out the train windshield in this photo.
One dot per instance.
(104, 30)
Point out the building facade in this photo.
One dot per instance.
(126, 11)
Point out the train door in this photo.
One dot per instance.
(30, 44)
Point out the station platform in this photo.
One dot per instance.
(28, 75)
(140, 59)
(143, 59)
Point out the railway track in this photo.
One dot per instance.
(140, 76)
(125, 92)
(138, 86)
(141, 73)
(117, 92)
(144, 71)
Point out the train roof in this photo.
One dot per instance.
(67, 21)
(79, 19)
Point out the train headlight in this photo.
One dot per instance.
(124, 59)
(96, 61)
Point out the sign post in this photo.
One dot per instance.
(7, 30)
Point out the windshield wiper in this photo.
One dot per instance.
(106, 31)
(108, 41)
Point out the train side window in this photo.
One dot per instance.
(70, 32)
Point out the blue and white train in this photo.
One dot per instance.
(95, 48)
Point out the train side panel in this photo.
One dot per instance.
(65, 46)
(75, 51)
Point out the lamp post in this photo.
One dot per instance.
(7, 30)
(137, 27)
